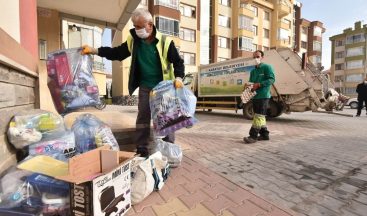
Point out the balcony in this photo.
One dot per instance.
(245, 33)
(246, 1)
(246, 12)
(284, 8)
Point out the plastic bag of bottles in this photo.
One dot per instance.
(171, 108)
(71, 81)
(31, 126)
(90, 133)
(61, 147)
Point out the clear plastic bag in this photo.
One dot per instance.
(71, 81)
(90, 133)
(26, 193)
(31, 126)
(171, 108)
(172, 151)
(61, 147)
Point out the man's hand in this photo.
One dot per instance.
(246, 85)
(255, 86)
(88, 50)
(178, 82)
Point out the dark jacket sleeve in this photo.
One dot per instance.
(358, 88)
(176, 60)
(114, 53)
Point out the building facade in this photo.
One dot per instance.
(218, 30)
(308, 37)
(348, 59)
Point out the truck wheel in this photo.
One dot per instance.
(248, 113)
(274, 110)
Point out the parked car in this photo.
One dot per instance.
(353, 103)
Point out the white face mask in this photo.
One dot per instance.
(142, 33)
(258, 61)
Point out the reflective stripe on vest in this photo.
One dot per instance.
(167, 67)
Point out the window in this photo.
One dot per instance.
(339, 54)
(266, 33)
(350, 90)
(42, 49)
(304, 30)
(225, 2)
(354, 78)
(339, 43)
(167, 3)
(317, 46)
(254, 47)
(220, 59)
(316, 60)
(254, 30)
(255, 10)
(283, 34)
(339, 66)
(224, 21)
(167, 26)
(339, 78)
(223, 42)
(188, 11)
(245, 43)
(189, 58)
(287, 22)
(304, 44)
(266, 15)
(187, 34)
(355, 38)
(355, 51)
(354, 64)
(245, 22)
(317, 31)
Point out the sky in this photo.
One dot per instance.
(106, 41)
(336, 15)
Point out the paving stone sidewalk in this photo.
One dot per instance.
(194, 190)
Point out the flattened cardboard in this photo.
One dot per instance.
(45, 165)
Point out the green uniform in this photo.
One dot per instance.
(263, 74)
(147, 58)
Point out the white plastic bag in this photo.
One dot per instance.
(172, 151)
(147, 175)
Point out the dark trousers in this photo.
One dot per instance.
(260, 107)
(360, 105)
(143, 124)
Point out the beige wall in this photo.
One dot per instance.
(49, 30)
(9, 18)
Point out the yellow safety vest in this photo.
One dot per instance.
(167, 67)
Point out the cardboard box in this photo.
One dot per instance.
(99, 181)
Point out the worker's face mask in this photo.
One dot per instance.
(142, 33)
(258, 61)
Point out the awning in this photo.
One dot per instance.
(109, 13)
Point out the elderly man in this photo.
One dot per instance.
(154, 58)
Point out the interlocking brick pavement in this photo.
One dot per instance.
(314, 164)
(193, 190)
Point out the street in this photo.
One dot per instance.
(314, 164)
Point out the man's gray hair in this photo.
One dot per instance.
(141, 12)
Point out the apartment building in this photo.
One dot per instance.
(217, 30)
(348, 58)
(308, 37)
